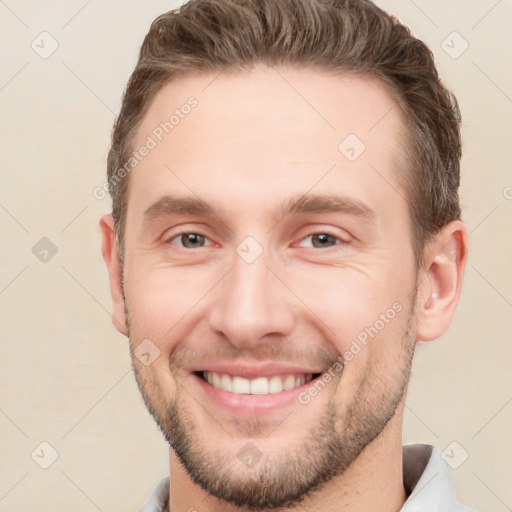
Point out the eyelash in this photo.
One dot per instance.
(328, 233)
(339, 241)
(183, 233)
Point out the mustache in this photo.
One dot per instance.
(184, 356)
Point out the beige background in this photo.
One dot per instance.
(65, 371)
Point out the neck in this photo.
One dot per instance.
(374, 481)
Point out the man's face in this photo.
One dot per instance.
(279, 251)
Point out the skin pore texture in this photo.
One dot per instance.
(255, 247)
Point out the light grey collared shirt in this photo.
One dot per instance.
(427, 480)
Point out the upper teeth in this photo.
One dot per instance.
(258, 386)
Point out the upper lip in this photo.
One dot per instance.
(252, 371)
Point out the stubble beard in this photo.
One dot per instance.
(284, 479)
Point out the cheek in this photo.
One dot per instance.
(352, 304)
(156, 300)
(165, 302)
(376, 355)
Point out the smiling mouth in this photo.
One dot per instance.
(258, 386)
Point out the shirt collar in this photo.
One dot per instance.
(427, 481)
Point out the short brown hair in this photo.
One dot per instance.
(341, 36)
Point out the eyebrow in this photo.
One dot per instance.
(174, 205)
(308, 203)
(328, 203)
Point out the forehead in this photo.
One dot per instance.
(268, 130)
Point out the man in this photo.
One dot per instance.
(285, 228)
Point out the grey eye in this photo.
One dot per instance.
(191, 240)
(321, 240)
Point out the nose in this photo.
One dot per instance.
(250, 304)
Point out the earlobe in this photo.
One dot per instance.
(439, 291)
(110, 255)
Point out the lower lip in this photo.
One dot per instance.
(237, 404)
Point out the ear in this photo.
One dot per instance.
(441, 280)
(115, 270)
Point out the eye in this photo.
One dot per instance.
(321, 240)
(189, 240)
